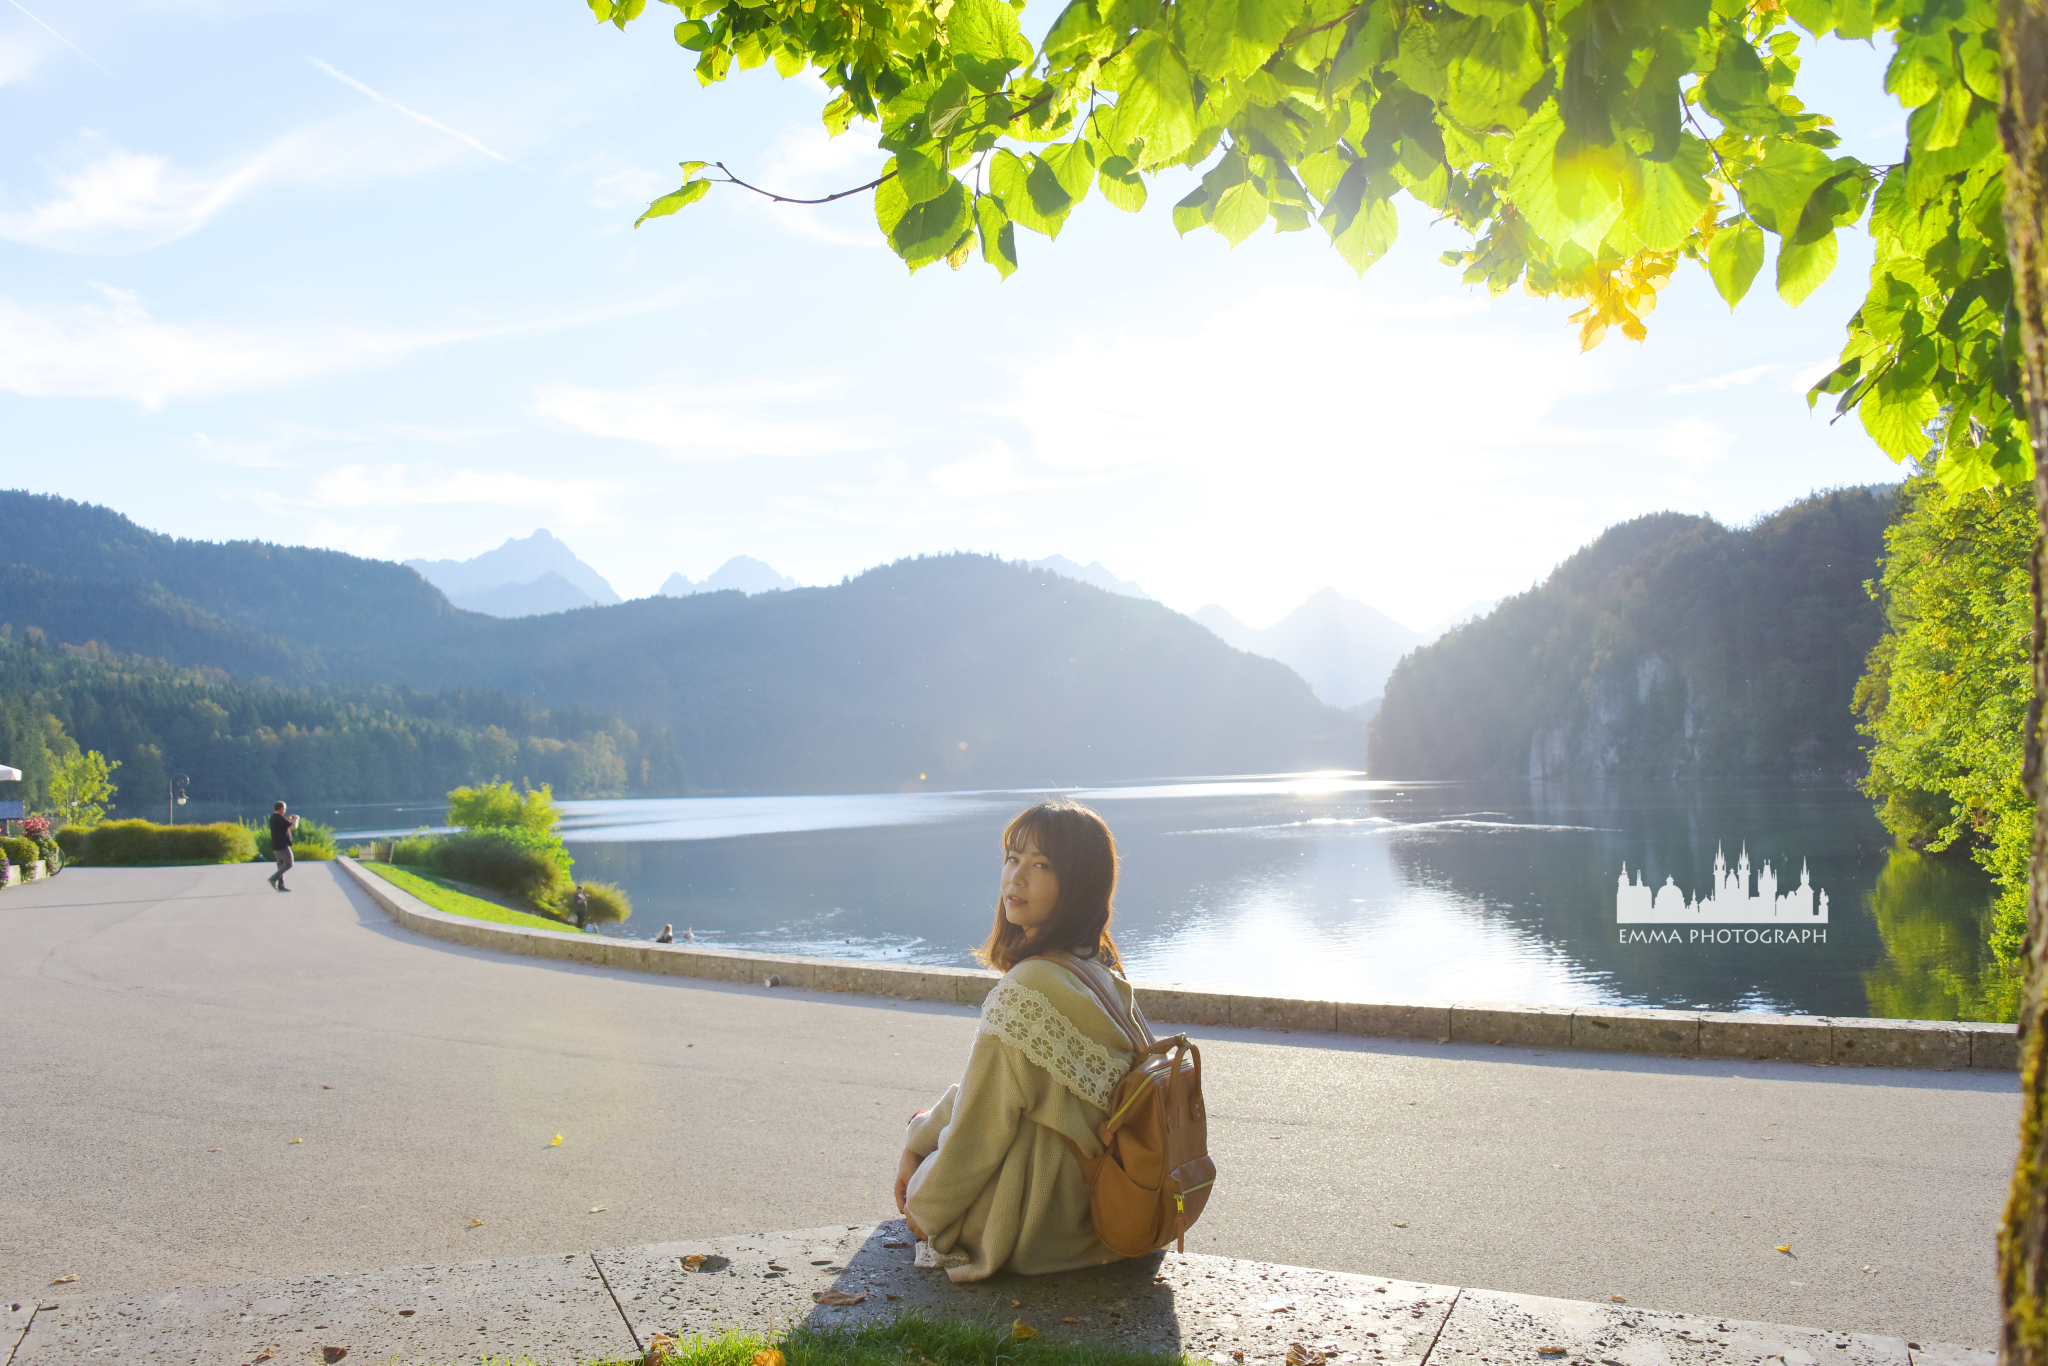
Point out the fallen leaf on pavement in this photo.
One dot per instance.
(1016, 1304)
(476, 1223)
(555, 1142)
(1070, 1320)
(301, 1140)
(1237, 1354)
(65, 1280)
(1400, 1223)
(658, 1350)
(333, 1354)
(1298, 1355)
(1784, 1247)
(771, 1357)
(837, 1297)
(599, 1209)
(266, 1354)
(1617, 1299)
(1021, 1331)
(1550, 1351)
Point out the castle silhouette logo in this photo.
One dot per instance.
(1728, 901)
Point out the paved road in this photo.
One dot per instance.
(168, 1032)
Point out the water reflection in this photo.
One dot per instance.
(1329, 885)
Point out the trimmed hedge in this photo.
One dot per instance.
(141, 843)
(71, 839)
(19, 850)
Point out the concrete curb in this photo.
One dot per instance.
(1942, 1044)
(569, 1306)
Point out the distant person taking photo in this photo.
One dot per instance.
(281, 827)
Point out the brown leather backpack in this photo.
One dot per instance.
(1154, 1174)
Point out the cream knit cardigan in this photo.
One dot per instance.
(997, 1188)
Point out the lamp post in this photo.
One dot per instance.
(175, 795)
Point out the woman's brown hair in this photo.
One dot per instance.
(1082, 852)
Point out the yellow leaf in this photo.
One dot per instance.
(476, 1223)
(555, 1142)
(65, 1280)
(1021, 1331)
(1784, 1247)
(771, 1357)
(296, 1140)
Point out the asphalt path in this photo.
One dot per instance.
(203, 1081)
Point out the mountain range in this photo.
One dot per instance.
(520, 578)
(954, 670)
(1343, 647)
(1670, 647)
(741, 572)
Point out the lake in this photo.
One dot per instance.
(1321, 885)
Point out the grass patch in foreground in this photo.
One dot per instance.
(912, 1340)
(436, 892)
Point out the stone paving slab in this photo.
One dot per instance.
(1205, 1306)
(566, 1308)
(1490, 1327)
(554, 1309)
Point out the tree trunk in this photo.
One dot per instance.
(2023, 124)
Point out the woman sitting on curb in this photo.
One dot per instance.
(987, 1180)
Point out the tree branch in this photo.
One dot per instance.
(731, 179)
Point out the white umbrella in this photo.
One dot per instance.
(9, 775)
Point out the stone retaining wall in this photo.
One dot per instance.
(1672, 1033)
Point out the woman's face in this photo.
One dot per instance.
(1030, 887)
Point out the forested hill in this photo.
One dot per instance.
(1672, 646)
(950, 671)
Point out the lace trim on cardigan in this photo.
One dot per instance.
(1035, 1027)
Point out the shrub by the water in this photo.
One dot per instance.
(501, 860)
(141, 843)
(415, 850)
(609, 903)
(311, 840)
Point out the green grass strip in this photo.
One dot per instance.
(442, 896)
(915, 1339)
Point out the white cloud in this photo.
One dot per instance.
(126, 201)
(357, 487)
(1734, 379)
(712, 422)
(117, 349)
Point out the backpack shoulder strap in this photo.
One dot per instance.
(1139, 1037)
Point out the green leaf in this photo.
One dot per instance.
(1079, 30)
(922, 174)
(694, 34)
(1490, 65)
(1775, 190)
(690, 193)
(890, 204)
(1121, 185)
(1010, 177)
(1155, 100)
(948, 107)
(1954, 113)
(1072, 166)
(1733, 259)
(1233, 38)
(1898, 425)
(1672, 196)
(998, 234)
(985, 41)
(1361, 224)
(929, 231)
(1240, 211)
(1802, 266)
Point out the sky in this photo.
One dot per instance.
(364, 276)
